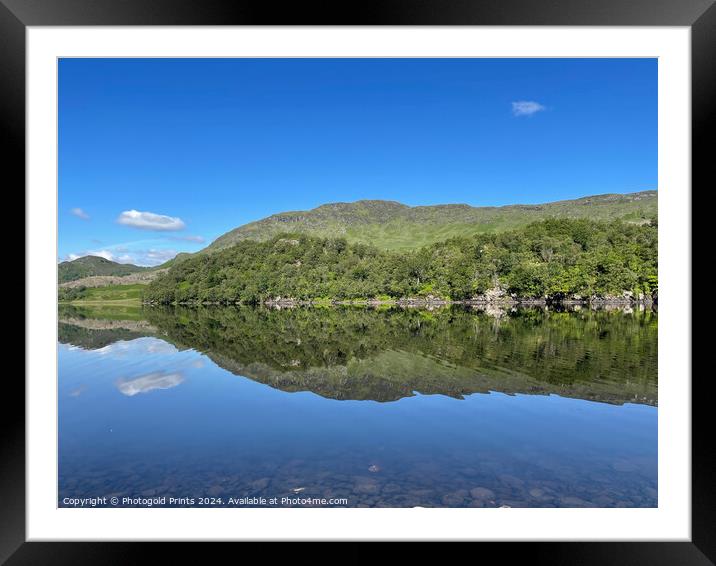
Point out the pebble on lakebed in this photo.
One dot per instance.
(482, 493)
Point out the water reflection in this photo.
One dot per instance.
(375, 406)
(363, 354)
(149, 382)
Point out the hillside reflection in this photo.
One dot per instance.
(385, 355)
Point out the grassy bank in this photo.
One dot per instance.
(126, 295)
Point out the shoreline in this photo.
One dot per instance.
(483, 302)
(420, 302)
(117, 302)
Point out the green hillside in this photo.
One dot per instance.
(391, 225)
(93, 265)
(555, 258)
(106, 293)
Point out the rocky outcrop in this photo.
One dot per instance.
(104, 280)
(495, 298)
(284, 302)
(627, 298)
(496, 295)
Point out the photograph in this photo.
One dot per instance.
(357, 282)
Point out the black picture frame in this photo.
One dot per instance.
(16, 15)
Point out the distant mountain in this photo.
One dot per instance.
(391, 225)
(91, 265)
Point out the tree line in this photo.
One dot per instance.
(554, 258)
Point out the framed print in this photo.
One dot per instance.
(420, 275)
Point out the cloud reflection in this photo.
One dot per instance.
(149, 382)
(78, 391)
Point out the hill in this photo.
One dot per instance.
(390, 225)
(552, 258)
(91, 265)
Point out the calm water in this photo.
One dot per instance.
(396, 408)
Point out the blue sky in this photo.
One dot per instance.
(158, 156)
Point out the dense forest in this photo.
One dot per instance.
(554, 258)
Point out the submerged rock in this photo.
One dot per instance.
(365, 486)
(260, 484)
(622, 466)
(482, 493)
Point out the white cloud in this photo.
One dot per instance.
(150, 221)
(197, 239)
(142, 257)
(106, 254)
(149, 382)
(159, 256)
(157, 346)
(147, 258)
(79, 213)
(526, 108)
